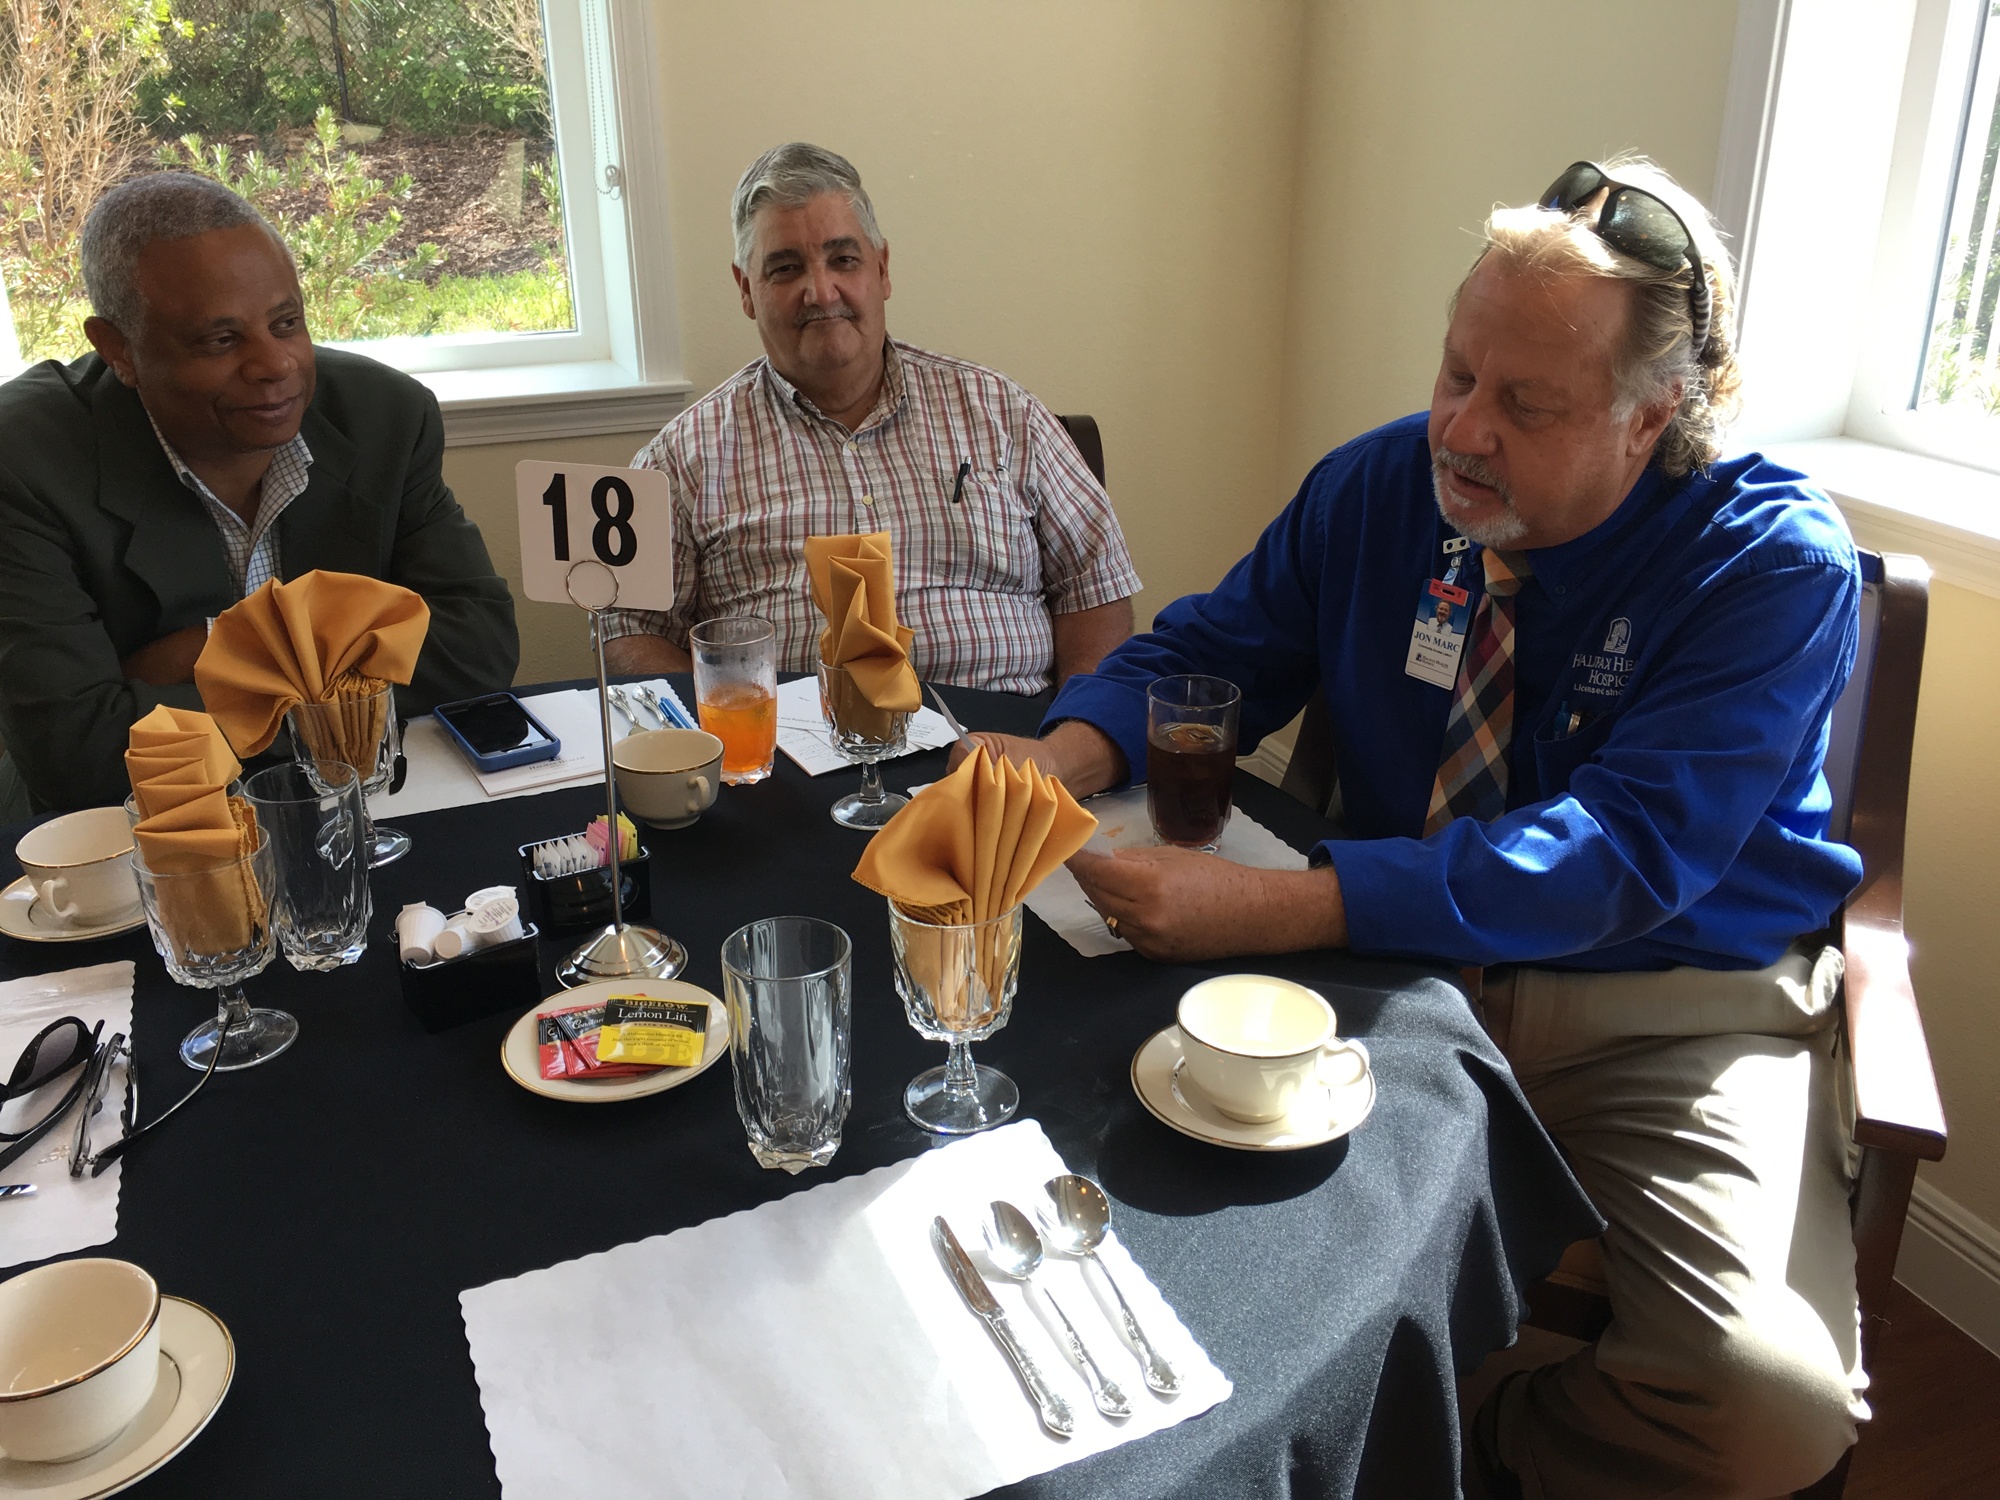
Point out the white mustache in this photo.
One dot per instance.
(1478, 470)
(821, 314)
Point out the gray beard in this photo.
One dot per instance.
(1499, 531)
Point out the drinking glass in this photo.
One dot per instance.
(363, 733)
(1190, 758)
(785, 980)
(736, 692)
(866, 735)
(957, 984)
(317, 824)
(212, 925)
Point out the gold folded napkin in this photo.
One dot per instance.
(192, 832)
(854, 585)
(322, 638)
(966, 850)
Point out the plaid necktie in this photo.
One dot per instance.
(1472, 772)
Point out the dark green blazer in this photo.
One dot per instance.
(102, 549)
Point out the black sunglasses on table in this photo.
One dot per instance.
(1634, 222)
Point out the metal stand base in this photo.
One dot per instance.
(623, 952)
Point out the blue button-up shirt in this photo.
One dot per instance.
(1675, 669)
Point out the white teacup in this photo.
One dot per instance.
(79, 1356)
(81, 865)
(1252, 1043)
(668, 777)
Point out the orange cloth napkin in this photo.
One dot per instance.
(193, 832)
(854, 585)
(321, 638)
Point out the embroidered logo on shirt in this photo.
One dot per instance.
(1618, 637)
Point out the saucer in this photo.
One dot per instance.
(521, 1056)
(26, 916)
(197, 1359)
(1321, 1115)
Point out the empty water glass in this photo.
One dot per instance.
(317, 824)
(785, 980)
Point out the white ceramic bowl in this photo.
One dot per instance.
(668, 777)
(79, 1356)
(1252, 1042)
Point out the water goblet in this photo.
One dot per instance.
(211, 922)
(361, 732)
(786, 981)
(317, 825)
(866, 735)
(957, 983)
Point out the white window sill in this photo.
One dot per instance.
(524, 402)
(1946, 513)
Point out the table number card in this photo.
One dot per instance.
(572, 513)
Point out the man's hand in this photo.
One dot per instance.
(169, 661)
(1177, 905)
(1081, 755)
(644, 656)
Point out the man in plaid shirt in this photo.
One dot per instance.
(1010, 564)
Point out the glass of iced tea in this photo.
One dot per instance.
(1190, 758)
(736, 692)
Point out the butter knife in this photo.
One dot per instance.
(1056, 1415)
(951, 718)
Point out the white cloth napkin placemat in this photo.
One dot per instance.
(1124, 823)
(811, 1347)
(67, 1213)
(802, 732)
(440, 776)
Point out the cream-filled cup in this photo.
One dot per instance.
(1252, 1042)
(79, 1356)
(81, 865)
(668, 777)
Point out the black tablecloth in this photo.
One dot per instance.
(331, 1205)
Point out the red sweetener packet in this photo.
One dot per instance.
(567, 1039)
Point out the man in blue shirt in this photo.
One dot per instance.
(1605, 785)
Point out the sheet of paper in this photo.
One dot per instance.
(802, 732)
(439, 775)
(66, 1213)
(810, 1347)
(1123, 823)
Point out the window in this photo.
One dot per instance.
(451, 175)
(1961, 366)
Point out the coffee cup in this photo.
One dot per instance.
(1252, 1043)
(80, 865)
(668, 777)
(79, 1356)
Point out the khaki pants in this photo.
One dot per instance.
(1704, 1114)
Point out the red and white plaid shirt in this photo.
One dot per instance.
(756, 469)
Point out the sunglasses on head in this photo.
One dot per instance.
(1634, 222)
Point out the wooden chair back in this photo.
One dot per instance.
(1089, 442)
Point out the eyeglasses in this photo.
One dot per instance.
(58, 1048)
(1636, 223)
(84, 1154)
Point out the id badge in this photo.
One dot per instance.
(1437, 638)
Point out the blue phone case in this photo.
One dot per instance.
(502, 760)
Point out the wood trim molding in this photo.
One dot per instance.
(1951, 1259)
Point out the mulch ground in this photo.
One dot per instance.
(469, 194)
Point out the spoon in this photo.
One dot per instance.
(617, 697)
(1077, 1219)
(1016, 1249)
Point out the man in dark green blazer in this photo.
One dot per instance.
(205, 446)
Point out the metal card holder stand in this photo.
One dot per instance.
(623, 950)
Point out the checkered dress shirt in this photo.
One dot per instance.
(252, 550)
(756, 469)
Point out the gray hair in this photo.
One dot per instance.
(790, 176)
(164, 206)
(1659, 353)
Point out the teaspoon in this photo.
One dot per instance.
(1077, 1219)
(1016, 1249)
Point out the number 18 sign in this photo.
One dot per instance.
(622, 518)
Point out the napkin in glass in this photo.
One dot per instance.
(968, 849)
(854, 585)
(321, 638)
(181, 766)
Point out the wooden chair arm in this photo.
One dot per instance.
(1895, 1091)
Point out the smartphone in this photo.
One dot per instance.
(497, 731)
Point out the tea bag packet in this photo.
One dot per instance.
(324, 637)
(190, 828)
(568, 1039)
(967, 849)
(854, 586)
(665, 1033)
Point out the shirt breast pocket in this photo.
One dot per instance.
(1558, 756)
(989, 542)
